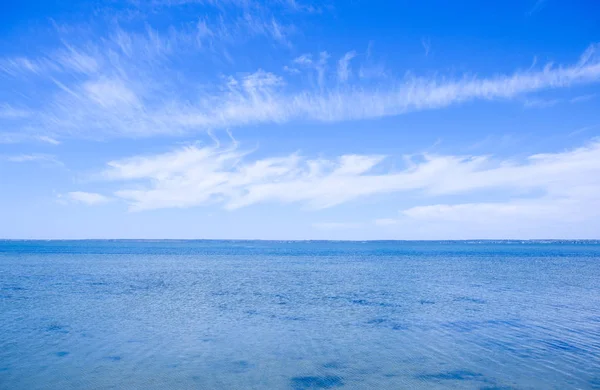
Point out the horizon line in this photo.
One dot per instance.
(301, 240)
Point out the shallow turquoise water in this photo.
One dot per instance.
(299, 315)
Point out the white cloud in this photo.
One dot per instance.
(14, 66)
(260, 81)
(271, 28)
(50, 140)
(572, 207)
(537, 6)
(343, 70)
(571, 214)
(426, 42)
(9, 112)
(583, 98)
(88, 198)
(24, 158)
(64, 60)
(130, 106)
(545, 103)
(135, 50)
(304, 59)
(14, 138)
(194, 175)
(372, 72)
(291, 70)
(319, 65)
(110, 93)
(540, 103)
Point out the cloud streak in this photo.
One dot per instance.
(570, 215)
(344, 66)
(426, 43)
(88, 198)
(9, 112)
(33, 157)
(228, 176)
(13, 138)
(537, 6)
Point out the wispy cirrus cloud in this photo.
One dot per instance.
(295, 5)
(128, 89)
(9, 112)
(426, 43)
(540, 103)
(63, 60)
(33, 157)
(88, 198)
(273, 104)
(537, 6)
(13, 138)
(126, 47)
(583, 98)
(319, 65)
(545, 103)
(343, 71)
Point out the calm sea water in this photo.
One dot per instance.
(299, 315)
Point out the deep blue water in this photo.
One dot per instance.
(299, 315)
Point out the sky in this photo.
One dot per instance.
(300, 119)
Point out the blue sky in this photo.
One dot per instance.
(293, 119)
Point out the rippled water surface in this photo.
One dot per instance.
(299, 315)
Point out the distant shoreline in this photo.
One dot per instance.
(466, 241)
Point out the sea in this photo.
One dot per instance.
(112, 314)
